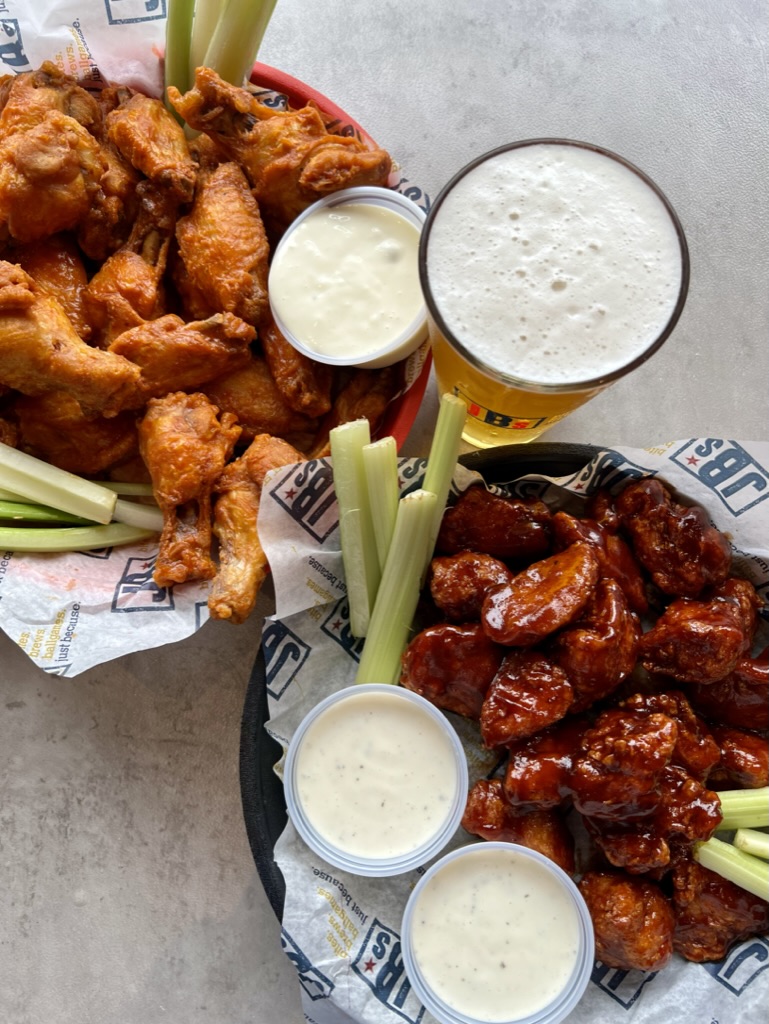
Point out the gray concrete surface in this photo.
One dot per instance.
(127, 890)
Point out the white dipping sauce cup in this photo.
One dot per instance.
(311, 294)
(496, 932)
(375, 780)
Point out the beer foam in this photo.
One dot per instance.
(554, 263)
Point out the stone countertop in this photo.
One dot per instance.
(127, 889)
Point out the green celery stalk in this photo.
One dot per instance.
(748, 872)
(207, 15)
(36, 481)
(70, 538)
(129, 489)
(176, 68)
(380, 463)
(750, 840)
(24, 512)
(237, 38)
(399, 589)
(442, 460)
(132, 513)
(744, 808)
(356, 528)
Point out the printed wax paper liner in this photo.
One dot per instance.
(342, 931)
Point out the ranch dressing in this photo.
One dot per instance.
(495, 935)
(344, 282)
(376, 775)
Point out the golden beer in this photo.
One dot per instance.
(550, 269)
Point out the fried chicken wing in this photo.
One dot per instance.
(701, 641)
(528, 693)
(744, 761)
(50, 177)
(223, 249)
(367, 394)
(252, 395)
(106, 226)
(289, 156)
(459, 583)
(27, 97)
(538, 772)
(740, 699)
(154, 143)
(304, 384)
(488, 815)
(696, 750)
(40, 351)
(633, 921)
(56, 266)
(712, 914)
(174, 355)
(676, 544)
(128, 288)
(599, 650)
(242, 562)
(507, 528)
(53, 427)
(185, 445)
(452, 666)
(544, 598)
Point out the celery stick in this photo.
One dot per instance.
(750, 840)
(177, 57)
(359, 553)
(129, 489)
(207, 14)
(146, 517)
(380, 462)
(70, 538)
(748, 872)
(399, 590)
(442, 459)
(237, 38)
(744, 808)
(24, 512)
(36, 481)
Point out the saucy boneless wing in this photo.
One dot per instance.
(608, 662)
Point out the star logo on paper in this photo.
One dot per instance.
(369, 965)
(290, 494)
(337, 624)
(693, 460)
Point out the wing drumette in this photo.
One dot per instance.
(185, 446)
(40, 351)
(56, 266)
(242, 562)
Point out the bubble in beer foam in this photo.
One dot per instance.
(583, 248)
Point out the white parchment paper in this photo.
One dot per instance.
(342, 931)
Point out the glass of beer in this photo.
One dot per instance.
(550, 269)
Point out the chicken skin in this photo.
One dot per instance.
(154, 143)
(289, 157)
(26, 98)
(173, 354)
(53, 427)
(304, 384)
(242, 562)
(56, 266)
(40, 351)
(185, 446)
(49, 177)
(223, 249)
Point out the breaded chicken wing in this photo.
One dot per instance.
(50, 176)
(56, 266)
(304, 384)
(53, 427)
(223, 249)
(152, 141)
(174, 355)
(367, 393)
(26, 98)
(290, 158)
(242, 562)
(40, 351)
(185, 445)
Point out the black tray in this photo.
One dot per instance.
(264, 807)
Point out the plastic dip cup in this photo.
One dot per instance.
(550, 269)
(344, 279)
(495, 932)
(375, 780)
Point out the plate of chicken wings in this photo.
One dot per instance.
(136, 341)
(606, 653)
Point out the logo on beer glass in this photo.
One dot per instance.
(501, 420)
